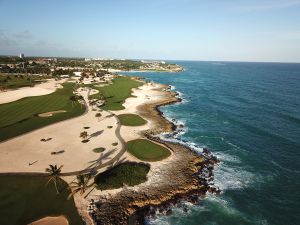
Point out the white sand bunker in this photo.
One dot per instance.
(49, 220)
(48, 114)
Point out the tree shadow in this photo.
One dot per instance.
(95, 134)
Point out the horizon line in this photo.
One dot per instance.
(187, 60)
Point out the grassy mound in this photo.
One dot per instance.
(21, 116)
(98, 150)
(147, 150)
(128, 173)
(25, 199)
(131, 120)
(116, 93)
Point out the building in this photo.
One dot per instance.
(21, 56)
(77, 74)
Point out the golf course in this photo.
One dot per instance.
(131, 120)
(116, 93)
(146, 150)
(25, 199)
(21, 116)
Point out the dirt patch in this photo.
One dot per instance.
(48, 114)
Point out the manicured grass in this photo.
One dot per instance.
(18, 81)
(128, 173)
(20, 116)
(147, 150)
(98, 150)
(131, 120)
(26, 198)
(116, 93)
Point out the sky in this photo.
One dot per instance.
(207, 30)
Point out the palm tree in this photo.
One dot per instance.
(80, 185)
(84, 135)
(54, 174)
(73, 99)
(98, 115)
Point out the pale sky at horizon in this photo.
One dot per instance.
(227, 30)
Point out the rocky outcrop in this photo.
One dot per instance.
(183, 176)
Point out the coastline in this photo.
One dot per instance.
(183, 176)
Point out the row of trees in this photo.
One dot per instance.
(31, 70)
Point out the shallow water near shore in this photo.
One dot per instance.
(247, 114)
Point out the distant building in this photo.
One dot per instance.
(77, 74)
(21, 56)
(64, 76)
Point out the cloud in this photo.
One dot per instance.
(24, 35)
(270, 5)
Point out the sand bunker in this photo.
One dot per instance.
(40, 89)
(48, 114)
(59, 220)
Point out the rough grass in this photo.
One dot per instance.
(26, 198)
(116, 93)
(147, 150)
(128, 173)
(131, 120)
(20, 116)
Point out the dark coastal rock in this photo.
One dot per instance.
(177, 181)
(185, 177)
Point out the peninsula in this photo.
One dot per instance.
(89, 146)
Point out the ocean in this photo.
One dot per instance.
(248, 115)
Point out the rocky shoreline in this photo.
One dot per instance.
(186, 176)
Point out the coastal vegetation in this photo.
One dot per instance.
(128, 173)
(147, 150)
(131, 120)
(116, 93)
(25, 199)
(80, 185)
(21, 116)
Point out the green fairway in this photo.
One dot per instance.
(116, 93)
(128, 173)
(26, 198)
(131, 120)
(22, 116)
(18, 81)
(147, 150)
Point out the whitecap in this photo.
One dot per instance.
(232, 177)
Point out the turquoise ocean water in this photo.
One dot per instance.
(247, 114)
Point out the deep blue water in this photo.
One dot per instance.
(247, 114)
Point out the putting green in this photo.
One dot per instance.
(131, 120)
(147, 150)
